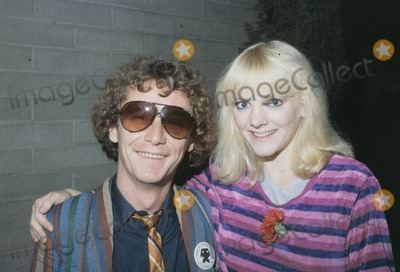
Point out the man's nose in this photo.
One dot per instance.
(156, 132)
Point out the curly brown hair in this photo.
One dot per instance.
(170, 75)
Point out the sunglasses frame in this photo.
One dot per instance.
(159, 113)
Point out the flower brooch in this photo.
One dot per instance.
(272, 227)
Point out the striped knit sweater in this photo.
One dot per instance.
(332, 226)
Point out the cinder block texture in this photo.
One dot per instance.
(15, 186)
(224, 51)
(8, 111)
(108, 40)
(247, 3)
(50, 159)
(54, 57)
(13, 57)
(209, 69)
(93, 85)
(83, 133)
(18, 8)
(35, 33)
(73, 12)
(158, 45)
(14, 213)
(188, 8)
(15, 161)
(16, 242)
(70, 61)
(18, 83)
(118, 59)
(17, 260)
(89, 177)
(203, 29)
(35, 134)
(119, 3)
(69, 107)
(221, 11)
(146, 22)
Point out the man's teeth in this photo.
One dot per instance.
(264, 134)
(151, 156)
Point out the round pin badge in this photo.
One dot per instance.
(204, 255)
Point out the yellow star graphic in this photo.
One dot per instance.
(383, 50)
(383, 200)
(183, 200)
(183, 49)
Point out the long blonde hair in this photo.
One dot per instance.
(315, 140)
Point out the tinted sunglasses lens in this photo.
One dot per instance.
(177, 122)
(136, 115)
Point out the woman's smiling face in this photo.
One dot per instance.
(269, 124)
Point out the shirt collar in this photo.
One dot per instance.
(123, 210)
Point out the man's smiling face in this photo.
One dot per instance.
(151, 156)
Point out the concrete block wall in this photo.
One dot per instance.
(53, 58)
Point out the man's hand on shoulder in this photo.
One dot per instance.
(39, 223)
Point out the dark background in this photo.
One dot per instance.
(368, 110)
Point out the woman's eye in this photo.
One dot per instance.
(274, 102)
(241, 105)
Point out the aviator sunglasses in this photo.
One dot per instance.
(138, 115)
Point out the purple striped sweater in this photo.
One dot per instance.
(332, 226)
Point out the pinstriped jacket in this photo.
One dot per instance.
(83, 228)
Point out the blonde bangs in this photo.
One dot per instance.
(248, 83)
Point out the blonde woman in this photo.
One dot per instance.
(285, 192)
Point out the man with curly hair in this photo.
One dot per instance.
(152, 116)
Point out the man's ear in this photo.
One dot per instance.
(113, 134)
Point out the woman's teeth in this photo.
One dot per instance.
(264, 134)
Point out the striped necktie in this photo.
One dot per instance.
(154, 241)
